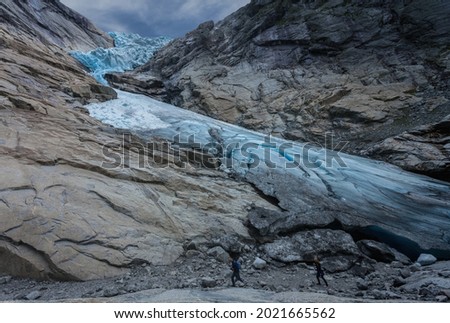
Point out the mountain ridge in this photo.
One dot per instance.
(374, 73)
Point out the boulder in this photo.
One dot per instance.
(361, 284)
(335, 245)
(376, 250)
(34, 295)
(219, 254)
(426, 259)
(259, 263)
(208, 282)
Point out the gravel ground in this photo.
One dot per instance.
(199, 271)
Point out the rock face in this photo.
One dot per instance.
(64, 215)
(51, 22)
(368, 72)
(338, 246)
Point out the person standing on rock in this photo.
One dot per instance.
(319, 271)
(236, 267)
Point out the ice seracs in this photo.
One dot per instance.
(129, 51)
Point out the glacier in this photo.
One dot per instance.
(129, 52)
(408, 211)
(359, 192)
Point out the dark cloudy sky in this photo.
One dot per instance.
(153, 17)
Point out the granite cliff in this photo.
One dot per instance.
(375, 73)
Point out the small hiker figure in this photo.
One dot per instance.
(235, 267)
(319, 271)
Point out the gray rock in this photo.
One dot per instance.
(56, 23)
(33, 295)
(208, 282)
(441, 298)
(198, 243)
(303, 246)
(111, 292)
(5, 279)
(398, 281)
(219, 254)
(405, 272)
(259, 263)
(376, 250)
(266, 222)
(415, 267)
(426, 259)
(193, 254)
(362, 284)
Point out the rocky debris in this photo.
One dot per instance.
(383, 295)
(194, 276)
(51, 22)
(5, 279)
(426, 259)
(302, 69)
(376, 250)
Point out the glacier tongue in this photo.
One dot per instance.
(307, 181)
(130, 51)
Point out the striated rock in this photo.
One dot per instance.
(142, 84)
(51, 22)
(265, 222)
(425, 149)
(66, 213)
(68, 218)
(368, 72)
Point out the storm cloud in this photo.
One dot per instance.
(171, 18)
